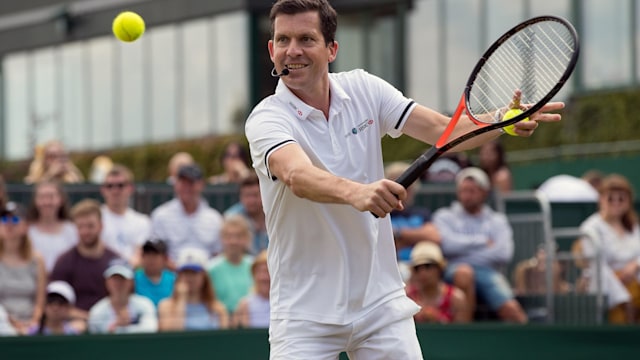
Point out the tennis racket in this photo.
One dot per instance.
(535, 58)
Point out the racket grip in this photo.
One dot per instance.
(418, 167)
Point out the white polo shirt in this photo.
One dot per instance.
(200, 230)
(329, 263)
(124, 233)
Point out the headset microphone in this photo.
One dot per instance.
(284, 72)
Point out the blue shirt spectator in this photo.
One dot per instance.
(154, 280)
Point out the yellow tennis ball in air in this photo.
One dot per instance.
(510, 129)
(128, 26)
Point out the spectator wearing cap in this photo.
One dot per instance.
(124, 229)
(439, 301)
(57, 311)
(230, 271)
(178, 160)
(478, 243)
(23, 276)
(187, 221)
(153, 279)
(193, 304)
(82, 266)
(122, 312)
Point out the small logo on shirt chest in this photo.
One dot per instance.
(360, 127)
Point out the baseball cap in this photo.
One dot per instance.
(63, 289)
(154, 246)
(426, 252)
(192, 259)
(190, 172)
(476, 174)
(119, 267)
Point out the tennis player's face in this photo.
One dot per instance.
(298, 45)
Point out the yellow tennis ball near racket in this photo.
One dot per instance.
(128, 26)
(510, 129)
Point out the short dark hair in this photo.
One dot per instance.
(121, 170)
(328, 15)
(155, 246)
(250, 180)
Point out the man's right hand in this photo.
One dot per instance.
(380, 197)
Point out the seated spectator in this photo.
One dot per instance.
(50, 227)
(250, 206)
(413, 224)
(83, 265)
(187, 221)
(6, 329)
(57, 311)
(22, 274)
(52, 163)
(568, 188)
(177, 161)
(253, 310)
(478, 243)
(124, 229)
(494, 162)
(235, 165)
(230, 271)
(530, 275)
(614, 234)
(193, 304)
(153, 279)
(439, 301)
(122, 312)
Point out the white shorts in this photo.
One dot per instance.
(386, 332)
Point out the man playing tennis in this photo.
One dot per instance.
(316, 146)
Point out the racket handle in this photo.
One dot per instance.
(418, 167)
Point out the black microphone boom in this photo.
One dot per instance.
(284, 72)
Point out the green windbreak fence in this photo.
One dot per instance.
(527, 176)
(439, 342)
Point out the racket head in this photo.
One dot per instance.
(536, 57)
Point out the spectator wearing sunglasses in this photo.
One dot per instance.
(613, 232)
(22, 274)
(235, 165)
(439, 301)
(50, 228)
(124, 229)
(57, 310)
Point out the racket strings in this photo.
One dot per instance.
(533, 60)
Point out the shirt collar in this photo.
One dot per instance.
(302, 110)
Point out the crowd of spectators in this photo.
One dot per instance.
(104, 267)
